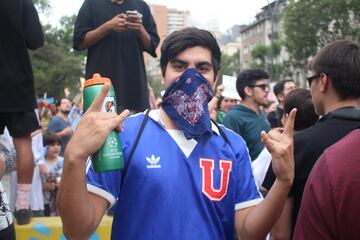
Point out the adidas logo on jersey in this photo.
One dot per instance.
(153, 162)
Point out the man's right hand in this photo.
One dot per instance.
(117, 23)
(94, 128)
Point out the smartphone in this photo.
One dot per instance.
(133, 13)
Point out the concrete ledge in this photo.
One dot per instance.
(50, 228)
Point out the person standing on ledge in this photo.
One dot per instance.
(115, 33)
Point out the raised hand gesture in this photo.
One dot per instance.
(280, 144)
(94, 128)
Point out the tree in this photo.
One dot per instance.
(155, 83)
(43, 6)
(311, 24)
(56, 66)
(263, 57)
(230, 64)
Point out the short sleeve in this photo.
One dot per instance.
(150, 26)
(247, 192)
(105, 184)
(83, 24)
(32, 28)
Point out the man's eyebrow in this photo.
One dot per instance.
(176, 60)
(204, 63)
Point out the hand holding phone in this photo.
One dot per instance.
(134, 20)
(133, 15)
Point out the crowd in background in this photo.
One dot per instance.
(326, 122)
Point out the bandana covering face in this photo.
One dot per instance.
(186, 103)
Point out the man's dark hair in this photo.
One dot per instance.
(58, 102)
(190, 37)
(249, 77)
(279, 86)
(51, 138)
(300, 98)
(340, 60)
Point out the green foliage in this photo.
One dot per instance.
(56, 66)
(230, 65)
(264, 57)
(155, 83)
(43, 6)
(311, 24)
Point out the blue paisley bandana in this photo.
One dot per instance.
(186, 103)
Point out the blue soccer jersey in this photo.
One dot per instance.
(173, 191)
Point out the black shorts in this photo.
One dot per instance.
(19, 124)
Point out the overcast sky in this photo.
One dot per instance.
(227, 12)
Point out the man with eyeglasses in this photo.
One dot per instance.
(247, 118)
(335, 88)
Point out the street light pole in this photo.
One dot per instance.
(272, 12)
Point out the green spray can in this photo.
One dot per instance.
(109, 157)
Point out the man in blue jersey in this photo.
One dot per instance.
(185, 178)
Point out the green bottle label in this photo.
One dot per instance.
(109, 104)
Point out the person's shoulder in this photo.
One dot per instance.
(134, 118)
(141, 3)
(60, 159)
(346, 148)
(310, 134)
(271, 114)
(234, 118)
(235, 111)
(134, 121)
(234, 138)
(54, 120)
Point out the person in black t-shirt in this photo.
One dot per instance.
(116, 33)
(20, 30)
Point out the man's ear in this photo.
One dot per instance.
(281, 97)
(324, 82)
(248, 91)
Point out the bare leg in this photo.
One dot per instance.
(25, 159)
(25, 169)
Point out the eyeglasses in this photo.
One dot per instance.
(310, 79)
(263, 86)
(229, 100)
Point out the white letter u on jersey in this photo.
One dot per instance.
(207, 166)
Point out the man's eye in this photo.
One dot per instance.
(178, 66)
(203, 68)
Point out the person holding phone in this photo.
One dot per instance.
(115, 33)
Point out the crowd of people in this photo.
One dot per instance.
(229, 169)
